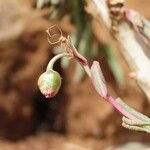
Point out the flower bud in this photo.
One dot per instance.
(49, 83)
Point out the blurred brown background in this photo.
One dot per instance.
(76, 118)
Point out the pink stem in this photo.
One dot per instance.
(113, 102)
(83, 61)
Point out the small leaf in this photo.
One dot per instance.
(98, 79)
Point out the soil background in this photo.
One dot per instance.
(77, 118)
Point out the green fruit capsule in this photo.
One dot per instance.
(49, 83)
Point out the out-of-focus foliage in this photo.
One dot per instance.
(113, 62)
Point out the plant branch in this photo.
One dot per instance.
(132, 119)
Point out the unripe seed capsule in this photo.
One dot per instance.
(49, 83)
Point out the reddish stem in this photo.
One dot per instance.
(114, 103)
(83, 61)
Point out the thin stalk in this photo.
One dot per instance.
(54, 59)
